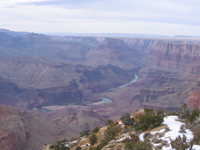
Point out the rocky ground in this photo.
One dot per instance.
(165, 136)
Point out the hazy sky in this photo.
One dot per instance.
(169, 17)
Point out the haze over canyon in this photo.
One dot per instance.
(53, 87)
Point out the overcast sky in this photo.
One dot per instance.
(166, 17)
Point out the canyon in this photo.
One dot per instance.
(70, 74)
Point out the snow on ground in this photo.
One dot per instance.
(123, 137)
(174, 126)
(141, 136)
(196, 147)
(175, 129)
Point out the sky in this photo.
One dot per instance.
(160, 17)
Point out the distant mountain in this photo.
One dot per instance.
(111, 35)
(12, 33)
(187, 37)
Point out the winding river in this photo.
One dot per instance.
(106, 100)
(135, 79)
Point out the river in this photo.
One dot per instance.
(106, 100)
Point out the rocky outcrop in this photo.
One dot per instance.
(12, 130)
(24, 130)
(157, 130)
(194, 99)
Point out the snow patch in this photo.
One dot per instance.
(175, 125)
(141, 137)
(196, 147)
(175, 128)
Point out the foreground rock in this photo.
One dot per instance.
(25, 130)
(173, 133)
